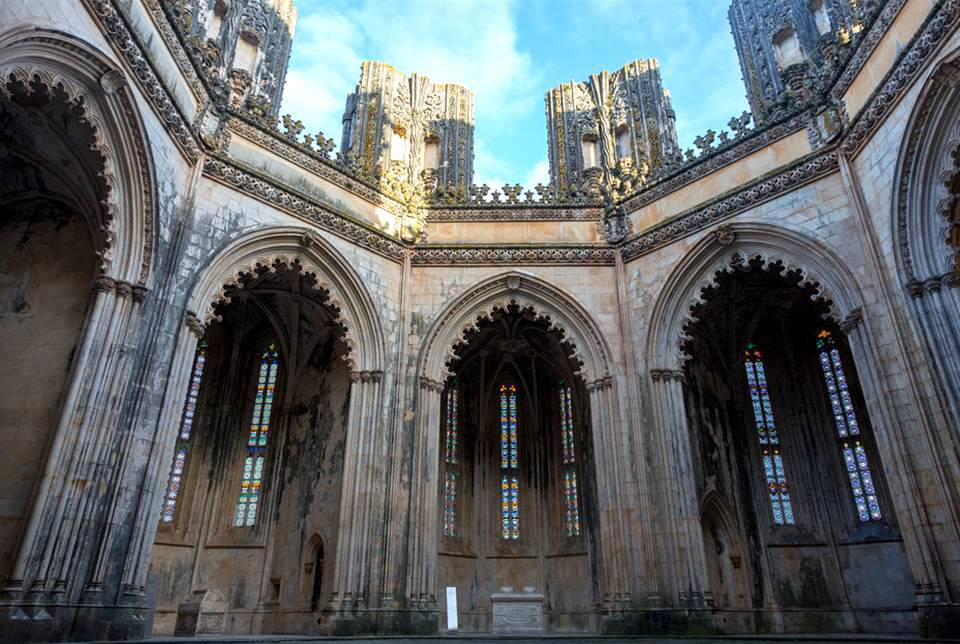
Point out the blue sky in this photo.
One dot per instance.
(510, 52)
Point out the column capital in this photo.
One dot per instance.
(194, 324)
(852, 321)
(430, 385)
(600, 383)
(915, 288)
(666, 375)
(103, 284)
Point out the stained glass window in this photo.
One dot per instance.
(509, 480)
(450, 503)
(452, 422)
(256, 449)
(568, 459)
(777, 486)
(848, 430)
(182, 447)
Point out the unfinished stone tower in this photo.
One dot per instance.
(619, 123)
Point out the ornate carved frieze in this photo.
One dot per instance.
(598, 255)
(912, 62)
(313, 212)
(515, 213)
(176, 45)
(729, 205)
(867, 45)
(311, 160)
(759, 138)
(127, 45)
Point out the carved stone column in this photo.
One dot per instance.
(683, 557)
(362, 488)
(66, 547)
(161, 451)
(918, 539)
(422, 545)
(608, 451)
(936, 302)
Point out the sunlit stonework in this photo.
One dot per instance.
(256, 383)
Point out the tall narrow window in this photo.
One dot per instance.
(767, 436)
(256, 450)
(848, 430)
(182, 448)
(509, 470)
(452, 423)
(568, 460)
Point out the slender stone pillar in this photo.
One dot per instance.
(161, 451)
(607, 450)
(918, 539)
(936, 303)
(360, 492)
(422, 547)
(65, 550)
(683, 547)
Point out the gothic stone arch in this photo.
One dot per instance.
(926, 225)
(590, 348)
(55, 60)
(837, 286)
(287, 246)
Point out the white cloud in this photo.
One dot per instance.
(539, 173)
(471, 43)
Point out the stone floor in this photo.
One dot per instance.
(485, 639)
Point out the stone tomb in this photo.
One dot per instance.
(204, 614)
(517, 612)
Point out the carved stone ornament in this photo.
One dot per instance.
(616, 224)
(112, 80)
(724, 235)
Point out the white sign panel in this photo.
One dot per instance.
(452, 609)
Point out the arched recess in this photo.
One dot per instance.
(926, 225)
(71, 117)
(56, 61)
(526, 291)
(518, 291)
(269, 247)
(831, 283)
(795, 250)
(302, 251)
(725, 559)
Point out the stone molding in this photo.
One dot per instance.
(309, 159)
(564, 315)
(179, 53)
(919, 193)
(100, 92)
(909, 65)
(547, 212)
(775, 246)
(866, 47)
(270, 249)
(505, 254)
(274, 195)
(114, 27)
(724, 207)
(710, 163)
